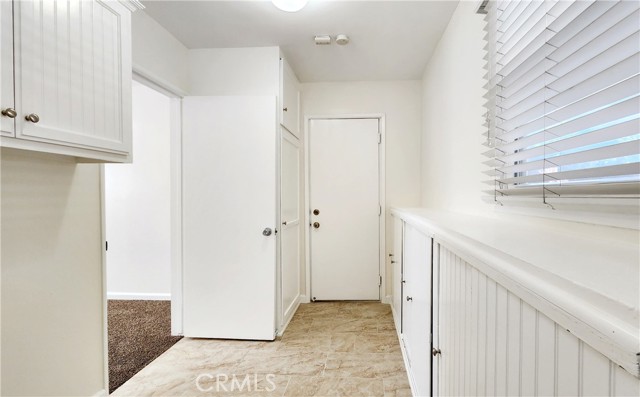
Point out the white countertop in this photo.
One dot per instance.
(589, 271)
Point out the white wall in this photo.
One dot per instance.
(157, 55)
(453, 115)
(401, 102)
(234, 71)
(52, 308)
(137, 201)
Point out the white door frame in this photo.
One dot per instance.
(381, 196)
(175, 95)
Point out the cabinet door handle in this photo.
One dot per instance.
(10, 113)
(409, 298)
(286, 109)
(34, 118)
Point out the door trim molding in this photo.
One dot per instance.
(382, 263)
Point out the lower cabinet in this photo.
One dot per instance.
(465, 332)
(416, 313)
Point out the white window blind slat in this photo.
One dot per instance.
(616, 111)
(581, 175)
(537, 144)
(602, 153)
(563, 98)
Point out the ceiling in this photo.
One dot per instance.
(390, 40)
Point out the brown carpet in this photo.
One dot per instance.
(139, 331)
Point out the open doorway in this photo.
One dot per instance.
(138, 222)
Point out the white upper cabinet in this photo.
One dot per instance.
(289, 99)
(7, 105)
(73, 78)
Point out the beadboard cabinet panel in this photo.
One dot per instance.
(509, 347)
(7, 104)
(73, 71)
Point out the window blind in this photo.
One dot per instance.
(562, 98)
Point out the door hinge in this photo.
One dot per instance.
(106, 246)
(380, 282)
(379, 139)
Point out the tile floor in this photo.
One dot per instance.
(328, 349)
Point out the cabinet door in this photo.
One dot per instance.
(396, 262)
(7, 123)
(73, 73)
(290, 99)
(417, 307)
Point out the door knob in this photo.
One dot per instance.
(435, 352)
(316, 225)
(409, 298)
(267, 232)
(34, 118)
(10, 113)
(286, 109)
(316, 212)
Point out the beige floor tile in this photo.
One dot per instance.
(344, 342)
(286, 362)
(306, 386)
(328, 349)
(332, 326)
(363, 365)
(305, 342)
(377, 343)
(397, 386)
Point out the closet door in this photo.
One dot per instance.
(229, 217)
(73, 73)
(396, 261)
(290, 225)
(7, 104)
(416, 319)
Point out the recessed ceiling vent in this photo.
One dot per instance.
(323, 40)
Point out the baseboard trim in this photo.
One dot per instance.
(138, 296)
(304, 299)
(387, 299)
(101, 393)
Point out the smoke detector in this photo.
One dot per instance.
(342, 39)
(323, 40)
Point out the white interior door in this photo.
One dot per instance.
(345, 209)
(229, 200)
(290, 223)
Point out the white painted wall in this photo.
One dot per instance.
(52, 284)
(137, 198)
(157, 54)
(401, 102)
(453, 115)
(234, 71)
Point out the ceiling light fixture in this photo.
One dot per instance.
(290, 5)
